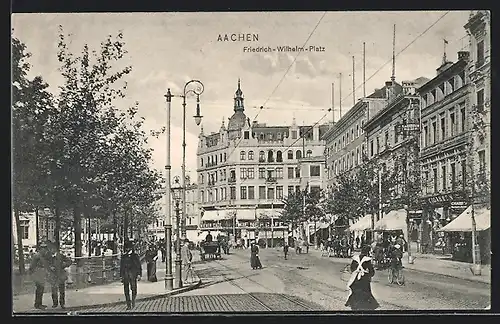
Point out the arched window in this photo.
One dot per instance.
(290, 155)
(279, 156)
(309, 153)
(298, 154)
(250, 155)
(270, 156)
(242, 155)
(262, 156)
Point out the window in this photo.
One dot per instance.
(202, 179)
(279, 192)
(290, 173)
(294, 134)
(262, 173)
(425, 135)
(279, 136)
(201, 161)
(243, 192)
(262, 156)
(270, 156)
(443, 127)
(290, 190)
(335, 147)
(242, 155)
(426, 181)
(202, 196)
(298, 154)
(480, 53)
(352, 159)
(444, 177)
(482, 161)
(232, 193)
(225, 158)
(232, 175)
(371, 148)
(315, 170)
(453, 124)
(435, 179)
(462, 117)
(262, 192)
(220, 157)
(453, 177)
(246, 135)
(216, 160)
(290, 155)
(352, 134)
(243, 173)
(261, 136)
(250, 155)
(26, 231)
(251, 192)
(434, 132)
(358, 156)
(362, 126)
(357, 131)
(297, 172)
(386, 139)
(279, 173)
(297, 189)
(348, 166)
(270, 193)
(216, 195)
(250, 173)
(279, 156)
(480, 100)
(309, 153)
(378, 144)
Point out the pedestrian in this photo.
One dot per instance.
(358, 241)
(57, 275)
(151, 257)
(130, 272)
(254, 256)
(208, 238)
(38, 270)
(187, 258)
(285, 250)
(361, 297)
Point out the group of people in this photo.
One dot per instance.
(387, 250)
(48, 265)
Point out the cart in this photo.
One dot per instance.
(210, 250)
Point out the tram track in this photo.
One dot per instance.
(254, 296)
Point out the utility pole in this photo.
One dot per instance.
(340, 95)
(364, 70)
(353, 83)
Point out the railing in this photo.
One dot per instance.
(231, 180)
(271, 179)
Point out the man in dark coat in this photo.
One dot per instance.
(130, 272)
(208, 238)
(38, 270)
(57, 275)
(361, 297)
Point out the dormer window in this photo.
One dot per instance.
(242, 155)
(246, 135)
(279, 136)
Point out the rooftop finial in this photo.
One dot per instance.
(393, 77)
(238, 83)
(445, 42)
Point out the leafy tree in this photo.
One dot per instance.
(293, 211)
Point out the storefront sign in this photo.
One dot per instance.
(443, 199)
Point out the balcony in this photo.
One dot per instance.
(271, 179)
(231, 180)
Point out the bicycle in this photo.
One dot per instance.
(395, 275)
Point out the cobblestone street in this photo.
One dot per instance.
(304, 283)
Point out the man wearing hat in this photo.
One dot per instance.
(38, 269)
(57, 274)
(130, 272)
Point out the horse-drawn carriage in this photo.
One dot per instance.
(210, 250)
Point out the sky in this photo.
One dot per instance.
(166, 50)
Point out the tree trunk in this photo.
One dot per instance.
(37, 229)
(77, 224)
(57, 231)
(125, 227)
(20, 251)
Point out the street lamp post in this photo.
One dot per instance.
(176, 193)
(169, 279)
(196, 90)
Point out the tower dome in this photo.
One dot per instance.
(238, 119)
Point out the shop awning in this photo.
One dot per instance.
(212, 215)
(463, 223)
(245, 214)
(393, 221)
(268, 213)
(320, 226)
(362, 224)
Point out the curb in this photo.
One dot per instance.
(74, 309)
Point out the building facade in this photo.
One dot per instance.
(443, 146)
(245, 170)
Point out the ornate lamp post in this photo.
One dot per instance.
(176, 194)
(191, 87)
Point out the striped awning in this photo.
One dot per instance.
(212, 215)
(463, 223)
(269, 213)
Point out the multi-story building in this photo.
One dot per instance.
(443, 145)
(46, 227)
(246, 169)
(191, 221)
(345, 141)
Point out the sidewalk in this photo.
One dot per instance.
(436, 264)
(107, 294)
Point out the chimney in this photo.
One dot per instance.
(463, 55)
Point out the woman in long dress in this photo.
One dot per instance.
(361, 297)
(254, 257)
(151, 257)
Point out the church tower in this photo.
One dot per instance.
(238, 99)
